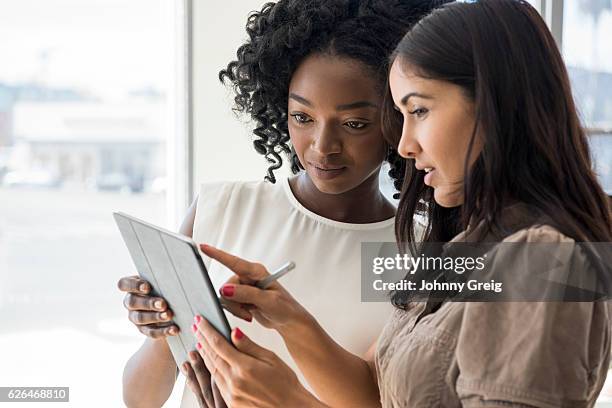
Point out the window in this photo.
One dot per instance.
(587, 28)
(581, 29)
(86, 124)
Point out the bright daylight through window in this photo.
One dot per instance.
(84, 130)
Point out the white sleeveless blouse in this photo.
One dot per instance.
(264, 222)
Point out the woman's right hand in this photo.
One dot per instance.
(273, 307)
(150, 314)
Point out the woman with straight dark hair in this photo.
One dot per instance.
(497, 155)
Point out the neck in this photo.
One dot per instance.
(361, 205)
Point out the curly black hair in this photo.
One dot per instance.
(282, 34)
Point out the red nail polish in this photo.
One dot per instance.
(250, 319)
(239, 334)
(199, 346)
(227, 290)
(198, 319)
(194, 328)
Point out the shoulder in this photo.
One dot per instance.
(222, 193)
(543, 247)
(538, 233)
(539, 247)
(231, 205)
(236, 187)
(217, 199)
(540, 263)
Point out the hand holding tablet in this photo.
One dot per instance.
(175, 285)
(172, 265)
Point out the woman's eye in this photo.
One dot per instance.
(419, 112)
(356, 125)
(300, 118)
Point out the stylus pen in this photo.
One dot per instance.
(282, 271)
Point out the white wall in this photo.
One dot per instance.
(223, 143)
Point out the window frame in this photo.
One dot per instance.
(180, 142)
(552, 12)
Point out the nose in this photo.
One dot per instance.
(408, 146)
(325, 142)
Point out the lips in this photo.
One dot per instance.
(326, 171)
(326, 167)
(429, 173)
(420, 166)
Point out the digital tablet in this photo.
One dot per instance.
(171, 263)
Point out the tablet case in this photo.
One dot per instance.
(171, 263)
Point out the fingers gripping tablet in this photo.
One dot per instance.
(172, 265)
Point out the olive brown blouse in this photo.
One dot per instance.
(510, 354)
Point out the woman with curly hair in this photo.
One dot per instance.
(312, 77)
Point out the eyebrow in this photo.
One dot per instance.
(356, 105)
(301, 100)
(404, 100)
(348, 106)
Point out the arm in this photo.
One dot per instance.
(338, 377)
(150, 374)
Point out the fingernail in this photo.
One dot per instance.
(227, 290)
(197, 319)
(194, 328)
(199, 346)
(143, 287)
(164, 315)
(158, 304)
(249, 319)
(172, 330)
(192, 357)
(204, 246)
(239, 334)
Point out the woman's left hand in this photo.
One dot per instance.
(201, 383)
(249, 375)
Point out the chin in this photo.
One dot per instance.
(332, 188)
(337, 185)
(446, 200)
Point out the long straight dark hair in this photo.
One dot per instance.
(503, 56)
